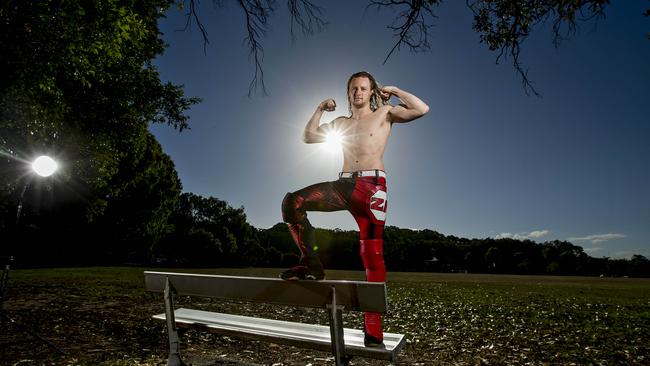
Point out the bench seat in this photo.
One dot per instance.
(284, 332)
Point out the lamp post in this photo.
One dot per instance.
(43, 166)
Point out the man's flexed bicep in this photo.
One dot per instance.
(411, 107)
(401, 114)
(314, 131)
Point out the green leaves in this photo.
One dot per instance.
(505, 24)
(80, 84)
(212, 233)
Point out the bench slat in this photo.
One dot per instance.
(284, 332)
(352, 295)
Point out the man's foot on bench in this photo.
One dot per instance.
(370, 341)
(302, 273)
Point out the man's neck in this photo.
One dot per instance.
(358, 113)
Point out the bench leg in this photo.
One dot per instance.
(174, 358)
(336, 332)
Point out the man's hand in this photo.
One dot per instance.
(386, 91)
(327, 105)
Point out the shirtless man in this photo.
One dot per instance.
(361, 187)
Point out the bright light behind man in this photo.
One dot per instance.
(44, 166)
(333, 141)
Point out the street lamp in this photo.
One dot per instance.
(44, 166)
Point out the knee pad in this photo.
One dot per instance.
(291, 212)
(371, 251)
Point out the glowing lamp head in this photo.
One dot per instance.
(44, 166)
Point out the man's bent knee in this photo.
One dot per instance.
(292, 212)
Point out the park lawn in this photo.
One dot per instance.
(101, 316)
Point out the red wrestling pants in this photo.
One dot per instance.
(365, 198)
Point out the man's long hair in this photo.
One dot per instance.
(375, 98)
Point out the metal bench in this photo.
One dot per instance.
(334, 296)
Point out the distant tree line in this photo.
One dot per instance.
(208, 232)
(78, 82)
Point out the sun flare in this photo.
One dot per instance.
(333, 141)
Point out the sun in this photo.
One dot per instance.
(333, 141)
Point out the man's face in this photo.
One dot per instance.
(359, 92)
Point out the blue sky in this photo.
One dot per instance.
(487, 161)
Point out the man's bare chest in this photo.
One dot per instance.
(367, 129)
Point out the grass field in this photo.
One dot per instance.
(101, 316)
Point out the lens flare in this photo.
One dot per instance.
(333, 141)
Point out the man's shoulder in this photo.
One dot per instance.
(383, 113)
(384, 109)
(340, 119)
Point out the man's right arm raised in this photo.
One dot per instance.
(314, 131)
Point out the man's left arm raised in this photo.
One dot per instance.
(410, 108)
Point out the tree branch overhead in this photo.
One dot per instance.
(411, 25)
(503, 25)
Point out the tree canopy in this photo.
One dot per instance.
(78, 84)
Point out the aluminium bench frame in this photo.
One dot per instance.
(334, 296)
